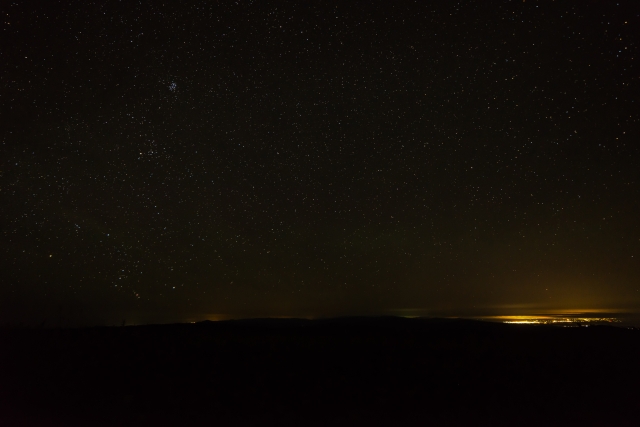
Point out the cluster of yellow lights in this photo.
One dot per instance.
(547, 320)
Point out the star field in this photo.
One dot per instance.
(326, 158)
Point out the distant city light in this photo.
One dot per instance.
(547, 320)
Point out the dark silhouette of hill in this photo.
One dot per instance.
(338, 372)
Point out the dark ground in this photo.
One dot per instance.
(342, 372)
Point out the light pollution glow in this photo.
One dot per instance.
(549, 319)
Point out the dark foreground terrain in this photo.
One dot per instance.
(343, 372)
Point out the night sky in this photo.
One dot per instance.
(177, 161)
